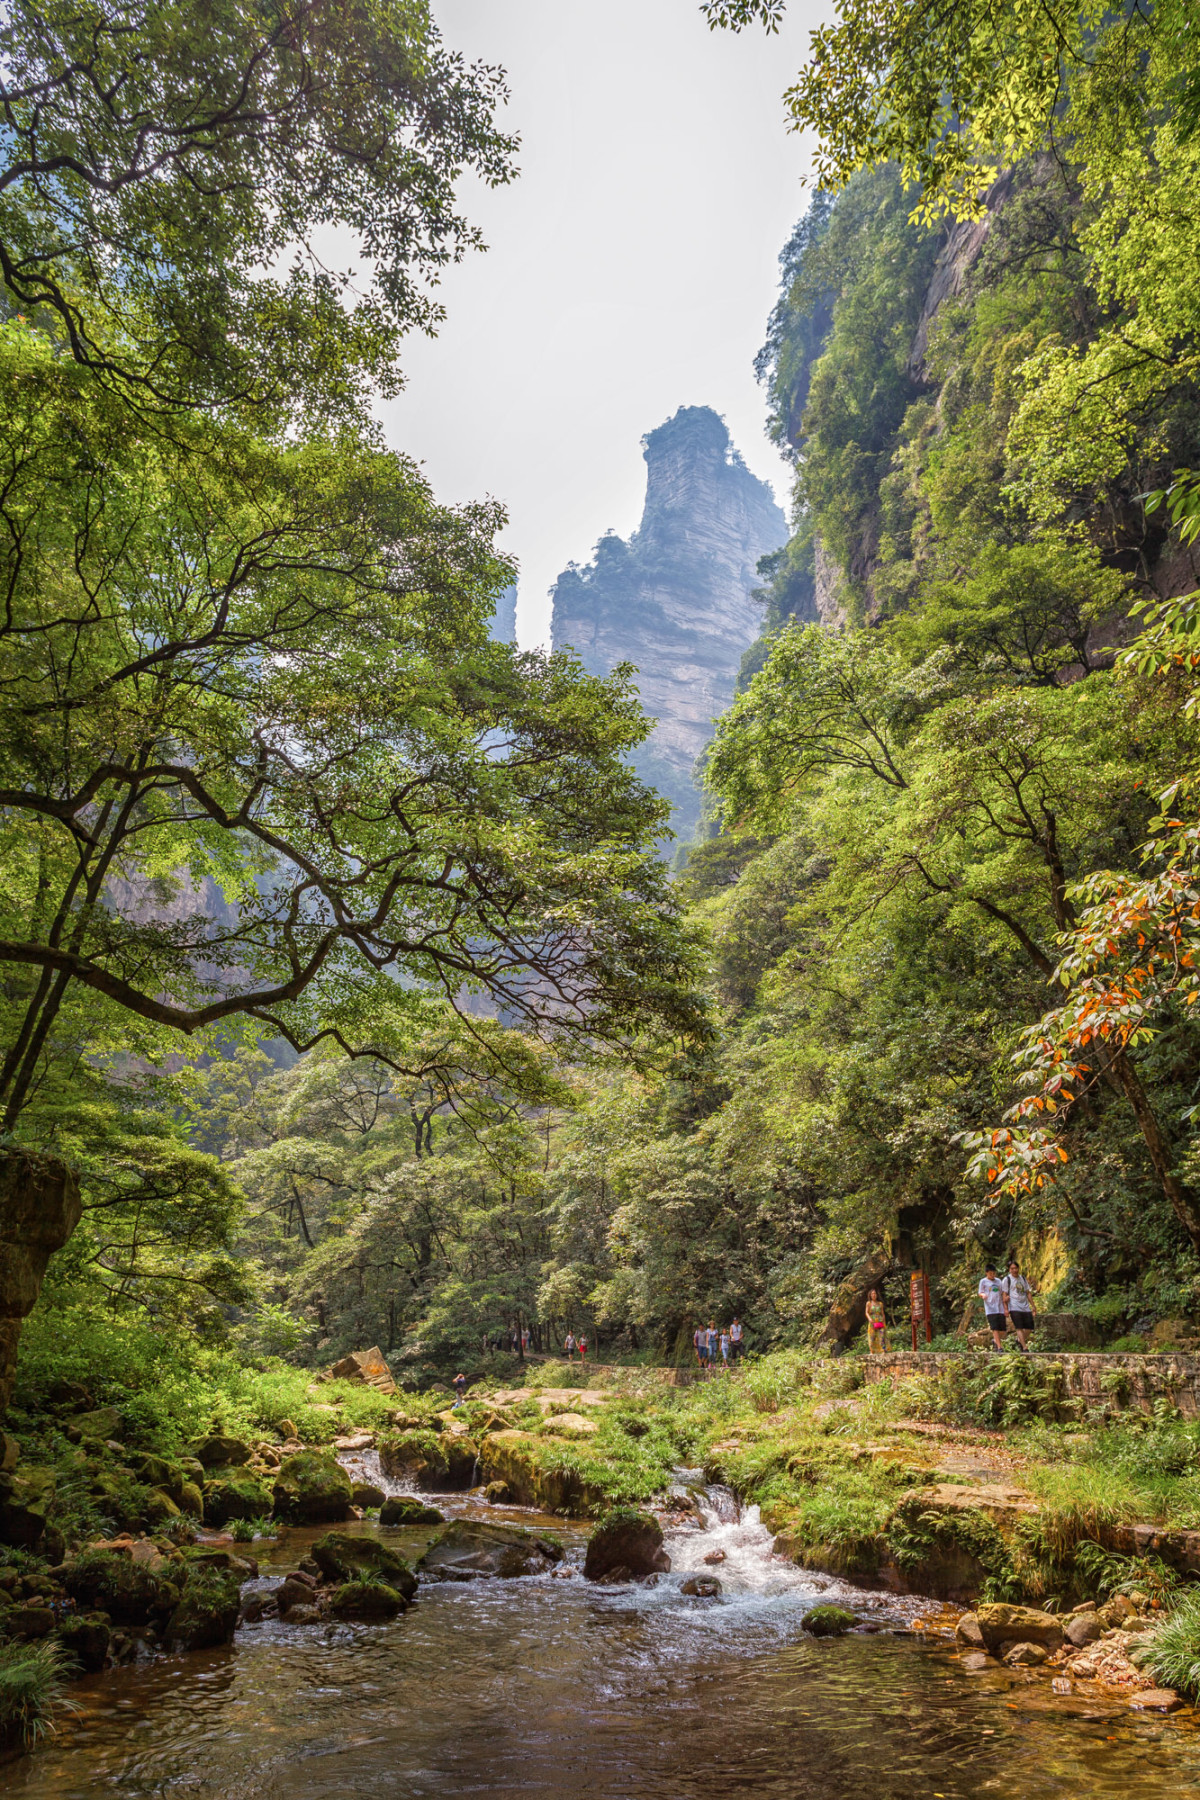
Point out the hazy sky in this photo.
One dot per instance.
(630, 268)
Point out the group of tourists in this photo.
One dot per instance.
(1007, 1301)
(717, 1349)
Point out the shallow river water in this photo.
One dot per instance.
(552, 1688)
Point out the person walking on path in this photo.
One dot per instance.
(711, 1351)
(582, 1349)
(1018, 1303)
(569, 1345)
(995, 1307)
(699, 1343)
(460, 1389)
(876, 1324)
(735, 1340)
(725, 1348)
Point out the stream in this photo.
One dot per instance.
(549, 1686)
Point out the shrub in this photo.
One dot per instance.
(31, 1681)
(1172, 1652)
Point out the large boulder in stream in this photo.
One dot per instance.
(207, 1613)
(342, 1557)
(1003, 1624)
(131, 1593)
(470, 1548)
(312, 1488)
(626, 1546)
(445, 1461)
(406, 1509)
(366, 1602)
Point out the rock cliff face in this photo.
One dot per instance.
(676, 599)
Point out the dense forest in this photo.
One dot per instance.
(340, 964)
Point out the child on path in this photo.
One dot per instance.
(876, 1324)
(1018, 1303)
(991, 1292)
(725, 1348)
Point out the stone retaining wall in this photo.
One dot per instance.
(1115, 1382)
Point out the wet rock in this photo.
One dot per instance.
(256, 1608)
(976, 1661)
(366, 1601)
(828, 1621)
(1002, 1623)
(366, 1494)
(343, 1558)
(234, 1494)
(304, 1615)
(85, 1637)
(1082, 1629)
(293, 1591)
(714, 1557)
(702, 1587)
(207, 1613)
(468, 1548)
(629, 1540)
(215, 1556)
(498, 1493)
(1023, 1656)
(217, 1451)
(967, 1632)
(312, 1488)
(405, 1509)
(1159, 1700)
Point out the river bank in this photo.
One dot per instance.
(866, 1492)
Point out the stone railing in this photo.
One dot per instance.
(1110, 1381)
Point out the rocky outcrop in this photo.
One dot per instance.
(677, 600)
(368, 1367)
(312, 1489)
(39, 1209)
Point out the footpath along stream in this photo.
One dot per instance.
(551, 1686)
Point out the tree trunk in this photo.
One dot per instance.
(39, 1209)
(1183, 1199)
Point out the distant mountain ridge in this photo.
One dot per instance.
(677, 598)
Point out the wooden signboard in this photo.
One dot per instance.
(920, 1310)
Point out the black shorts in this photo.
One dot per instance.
(997, 1322)
(1021, 1321)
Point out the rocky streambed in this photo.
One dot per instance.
(497, 1667)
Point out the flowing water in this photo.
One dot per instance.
(549, 1687)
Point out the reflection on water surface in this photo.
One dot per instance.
(545, 1687)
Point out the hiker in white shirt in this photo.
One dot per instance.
(991, 1292)
(1018, 1303)
(735, 1340)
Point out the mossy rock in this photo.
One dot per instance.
(85, 1638)
(217, 1451)
(207, 1613)
(191, 1500)
(626, 1543)
(828, 1621)
(234, 1494)
(104, 1424)
(404, 1509)
(312, 1488)
(110, 1582)
(159, 1509)
(342, 1557)
(469, 1548)
(366, 1601)
(366, 1494)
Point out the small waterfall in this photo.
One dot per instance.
(364, 1465)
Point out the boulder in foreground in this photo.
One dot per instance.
(342, 1557)
(1003, 1624)
(626, 1545)
(312, 1488)
(469, 1548)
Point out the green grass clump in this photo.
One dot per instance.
(31, 1682)
(1172, 1652)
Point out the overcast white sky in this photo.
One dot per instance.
(630, 268)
